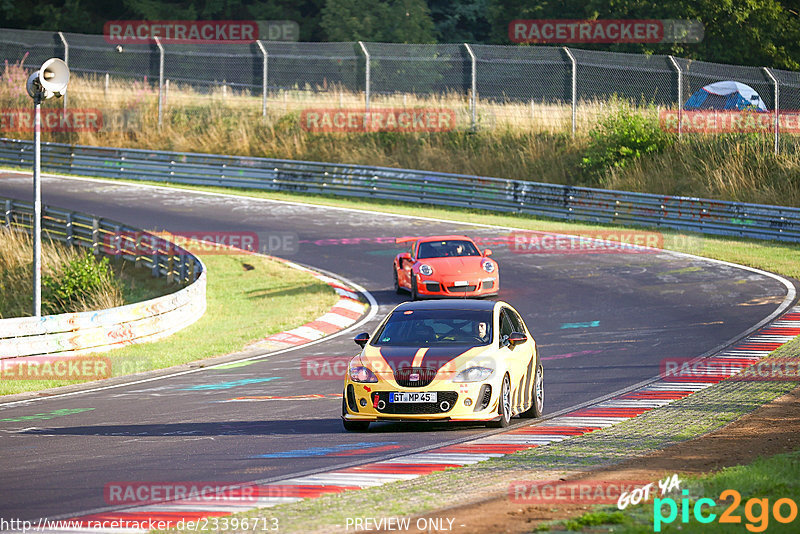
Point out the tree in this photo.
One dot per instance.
(307, 14)
(460, 22)
(397, 21)
(755, 32)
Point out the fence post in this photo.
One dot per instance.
(69, 230)
(680, 94)
(366, 55)
(95, 236)
(9, 212)
(154, 244)
(160, 78)
(265, 58)
(66, 60)
(116, 244)
(574, 87)
(182, 269)
(777, 109)
(472, 99)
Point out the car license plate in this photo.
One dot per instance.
(412, 397)
(460, 283)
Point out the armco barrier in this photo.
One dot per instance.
(556, 201)
(95, 331)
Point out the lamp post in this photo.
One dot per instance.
(49, 81)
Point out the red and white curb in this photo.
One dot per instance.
(346, 312)
(705, 373)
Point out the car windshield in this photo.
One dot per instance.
(422, 328)
(447, 248)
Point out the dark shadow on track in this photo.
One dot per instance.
(250, 428)
(226, 428)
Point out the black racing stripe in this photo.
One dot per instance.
(435, 357)
(398, 357)
(438, 357)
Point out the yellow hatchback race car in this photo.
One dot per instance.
(465, 360)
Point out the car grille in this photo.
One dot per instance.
(414, 377)
(461, 289)
(433, 286)
(487, 284)
(415, 408)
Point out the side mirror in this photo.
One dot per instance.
(405, 256)
(361, 339)
(487, 252)
(517, 338)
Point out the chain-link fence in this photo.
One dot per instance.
(539, 87)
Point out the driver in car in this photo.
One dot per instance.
(483, 332)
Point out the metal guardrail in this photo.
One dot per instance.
(104, 236)
(70, 334)
(715, 217)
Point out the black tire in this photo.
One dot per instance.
(352, 426)
(414, 294)
(397, 288)
(538, 395)
(503, 405)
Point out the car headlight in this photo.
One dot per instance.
(473, 374)
(362, 374)
(488, 266)
(426, 269)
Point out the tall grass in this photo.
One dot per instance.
(73, 280)
(58, 266)
(738, 168)
(526, 141)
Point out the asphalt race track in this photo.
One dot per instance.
(602, 322)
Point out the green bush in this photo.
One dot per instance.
(619, 138)
(80, 280)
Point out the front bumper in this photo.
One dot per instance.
(434, 287)
(474, 401)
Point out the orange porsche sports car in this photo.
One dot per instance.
(445, 266)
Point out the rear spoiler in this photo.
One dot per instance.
(405, 239)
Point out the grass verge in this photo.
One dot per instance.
(249, 297)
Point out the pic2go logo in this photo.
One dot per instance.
(756, 511)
